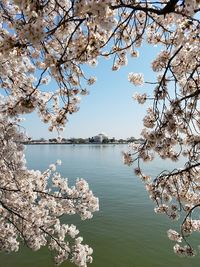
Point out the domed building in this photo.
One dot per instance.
(100, 138)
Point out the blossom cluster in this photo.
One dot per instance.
(141, 98)
(171, 125)
(184, 251)
(136, 78)
(32, 203)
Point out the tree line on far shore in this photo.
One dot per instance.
(89, 140)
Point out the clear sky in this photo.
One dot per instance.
(109, 107)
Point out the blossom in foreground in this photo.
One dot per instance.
(136, 78)
(173, 235)
(127, 158)
(184, 251)
(141, 98)
(33, 202)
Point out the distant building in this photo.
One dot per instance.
(100, 138)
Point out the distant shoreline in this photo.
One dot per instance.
(63, 143)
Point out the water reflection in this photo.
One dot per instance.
(125, 232)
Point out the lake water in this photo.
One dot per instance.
(125, 232)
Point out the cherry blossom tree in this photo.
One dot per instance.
(42, 40)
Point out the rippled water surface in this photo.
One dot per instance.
(125, 232)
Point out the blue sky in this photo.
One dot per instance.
(109, 107)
